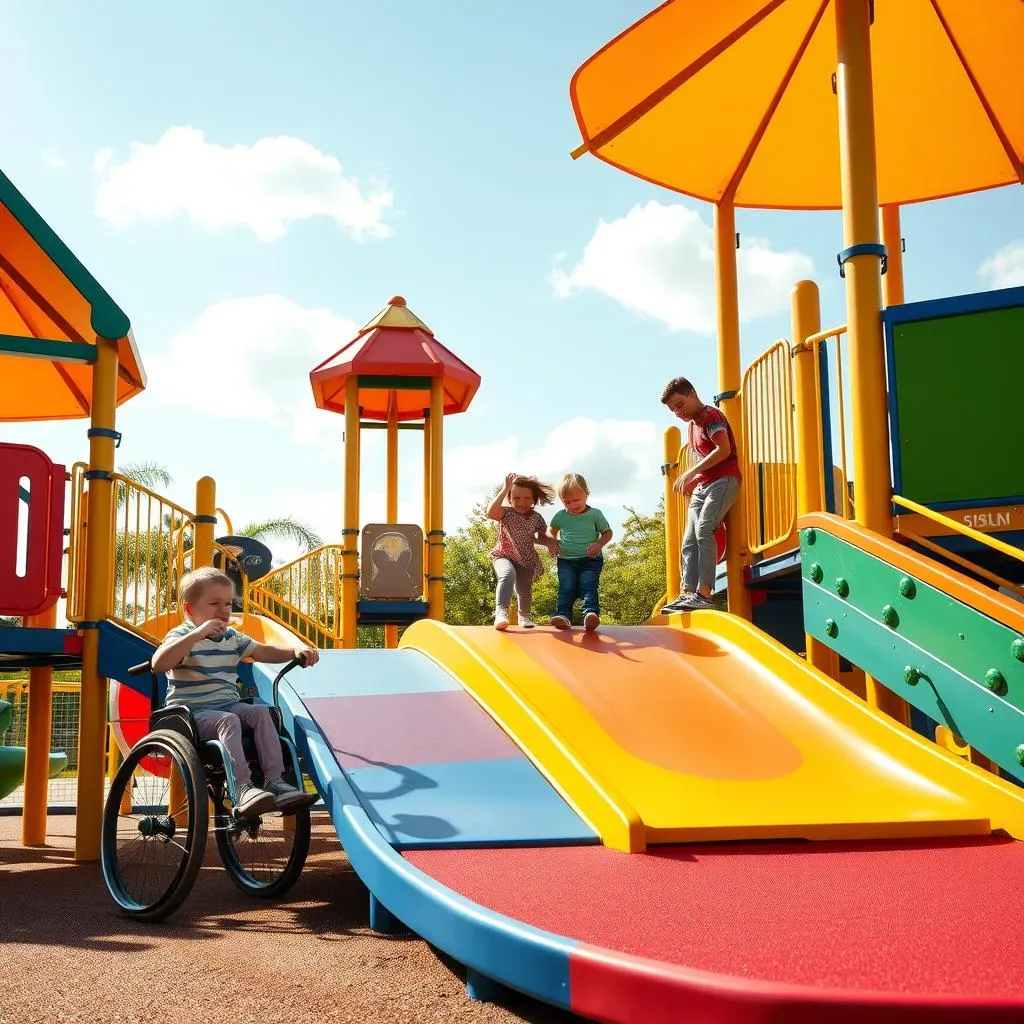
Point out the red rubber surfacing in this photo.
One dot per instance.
(937, 918)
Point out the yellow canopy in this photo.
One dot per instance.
(51, 312)
(734, 100)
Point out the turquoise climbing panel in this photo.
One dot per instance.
(944, 657)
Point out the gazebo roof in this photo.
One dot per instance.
(396, 358)
(52, 310)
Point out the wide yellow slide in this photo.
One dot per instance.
(706, 729)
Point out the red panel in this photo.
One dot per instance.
(39, 588)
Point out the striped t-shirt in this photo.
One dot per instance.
(207, 677)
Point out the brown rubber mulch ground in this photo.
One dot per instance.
(223, 958)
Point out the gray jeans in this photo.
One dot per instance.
(708, 506)
(511, 575)
(226, 726)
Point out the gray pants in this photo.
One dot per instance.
(512, 576)
(226, 726)
(708, 506)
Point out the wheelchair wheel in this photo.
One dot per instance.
(263, 855)
(151, 852)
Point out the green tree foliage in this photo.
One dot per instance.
(633, 580)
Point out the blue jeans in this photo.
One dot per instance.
(578, 577)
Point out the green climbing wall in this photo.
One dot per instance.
(949, 660)
(958, 405)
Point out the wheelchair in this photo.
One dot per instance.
(156, 822)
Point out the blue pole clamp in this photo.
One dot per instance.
(863, 249)
(105, 432)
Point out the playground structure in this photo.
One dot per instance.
(559, 811)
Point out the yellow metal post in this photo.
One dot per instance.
(92, 721)
(435, 538)
(391, 631)
(426, 498)
(858, 166)
(805, 320)
(350, 531)
(872, 491)
(729, 375)
(206, 521)
(673, 583)
(37, 742)
(892, 239)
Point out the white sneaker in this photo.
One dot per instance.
(591, 621)
(526, 622)
(501, 619)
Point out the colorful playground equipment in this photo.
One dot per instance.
(806, 807)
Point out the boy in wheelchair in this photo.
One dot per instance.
(201, 659)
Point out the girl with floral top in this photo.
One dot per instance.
(520, 528)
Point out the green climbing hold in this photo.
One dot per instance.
(1017, 649)
(890, 616)
(908, 588)
(831, 629)
(842, 587)
(911, 675)
(817, 573)
(995, 680)
(1019, 754)
(812, 535)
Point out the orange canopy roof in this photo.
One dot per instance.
(51, 312)
(733, 100)
(396, 357)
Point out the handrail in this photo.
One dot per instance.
(821, 336)
(227, 521)
(962, 528)
(769, 459)
(304, 595)
(964, 563)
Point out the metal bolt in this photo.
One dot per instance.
(831, 629)
(842, 587)
(890, 616)
(995, 680)
(908, 588)
(817, 573)
(911, 675)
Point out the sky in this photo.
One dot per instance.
(252, 182)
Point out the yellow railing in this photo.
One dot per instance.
(151, 543)
(966, 531)
(769, 454)
(837, 416)
(304, 596)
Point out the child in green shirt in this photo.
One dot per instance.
(582, 532)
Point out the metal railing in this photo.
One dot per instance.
(769, 453)
(152, 538)
(965, 531)
(304, 596)
(836, 436)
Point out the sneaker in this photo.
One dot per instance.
(526, 622)
(560, 622)
(501, 619)
(253, 801)
(591, 621)
(287, 797)
(699, 601)
(680, 604)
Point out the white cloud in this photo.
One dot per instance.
(266, 186)
(1006, 268)
(249, 359)
(621, 460)
(54, 159)
(659, 261)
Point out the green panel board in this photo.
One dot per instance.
(958, 383)
(885, 621)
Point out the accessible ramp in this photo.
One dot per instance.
(705, 729)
